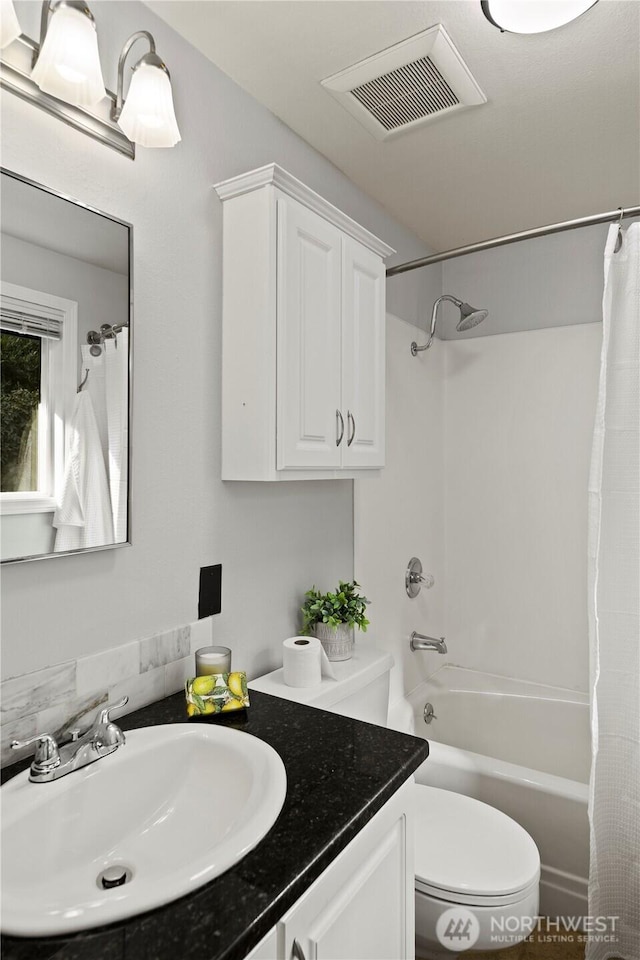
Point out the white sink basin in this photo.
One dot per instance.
(176, 805)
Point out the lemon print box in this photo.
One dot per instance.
(218, 693)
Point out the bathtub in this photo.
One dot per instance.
(521, 747)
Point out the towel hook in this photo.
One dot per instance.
(82, 383)
(619, 238)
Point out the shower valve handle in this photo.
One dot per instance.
(414, 579)
(427, 581)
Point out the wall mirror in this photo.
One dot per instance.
(65, 384)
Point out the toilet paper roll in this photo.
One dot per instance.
(302, 661)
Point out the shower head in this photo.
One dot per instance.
(469, 317)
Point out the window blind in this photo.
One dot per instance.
(14, 321)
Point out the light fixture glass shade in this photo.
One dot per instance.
(534, 16)
(9, 25)
(148, 117)
(68, 65)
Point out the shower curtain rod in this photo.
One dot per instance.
(620, 214)
(106, 330)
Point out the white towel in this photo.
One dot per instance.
(83, 516)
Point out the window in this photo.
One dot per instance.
(20, 393)
(37, 387)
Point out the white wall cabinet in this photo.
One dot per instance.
(303, 392)
(362, 906)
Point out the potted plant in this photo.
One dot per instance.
(331, 617)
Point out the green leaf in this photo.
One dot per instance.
(344, 606)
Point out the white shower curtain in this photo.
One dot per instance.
(614, 615)
(117, 398)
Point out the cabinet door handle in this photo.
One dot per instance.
(297, 953)
(339, 428)
(352, 420)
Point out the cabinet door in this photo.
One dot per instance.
(363, 358)
(362, 907)
(308, 339)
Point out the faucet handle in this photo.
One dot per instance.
(104, 716)
(106, 735)
(46, 755)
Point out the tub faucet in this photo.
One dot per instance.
(419, 642)
(53, 760)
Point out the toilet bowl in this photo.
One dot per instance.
(477, 875)
(477, 870)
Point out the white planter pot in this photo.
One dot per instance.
(336, 641)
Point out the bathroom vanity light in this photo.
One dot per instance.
(68, 62)
(533, 16)
(147, 115)
(62, 75)
(9, 26)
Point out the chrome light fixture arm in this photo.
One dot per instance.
(151, 58)
(146, 114)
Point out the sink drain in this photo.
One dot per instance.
(114, 876)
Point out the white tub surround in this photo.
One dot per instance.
(518, 424)
(486, 727)
(58, 698)
(400, 515)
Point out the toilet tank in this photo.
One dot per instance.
(360, 688)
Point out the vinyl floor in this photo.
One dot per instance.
(539, 946)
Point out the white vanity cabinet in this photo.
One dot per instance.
(303, 341)
(362, 906)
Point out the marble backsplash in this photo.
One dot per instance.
(58, 698)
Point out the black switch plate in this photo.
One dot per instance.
(210, 597)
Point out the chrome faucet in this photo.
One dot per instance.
(52, 760)
(418, 641)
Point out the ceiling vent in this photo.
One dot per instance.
(404, 86)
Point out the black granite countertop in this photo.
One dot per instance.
(339, 773)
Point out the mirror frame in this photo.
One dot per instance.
(86, 206)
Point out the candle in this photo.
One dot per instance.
(211, 660)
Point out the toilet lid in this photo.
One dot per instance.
(467, 847)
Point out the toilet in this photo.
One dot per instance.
(470, 855)
(477, 870)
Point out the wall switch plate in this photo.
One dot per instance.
(210, 597)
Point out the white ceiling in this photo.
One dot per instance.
(559, 137)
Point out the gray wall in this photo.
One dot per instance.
(274, 541)
(552, 281)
